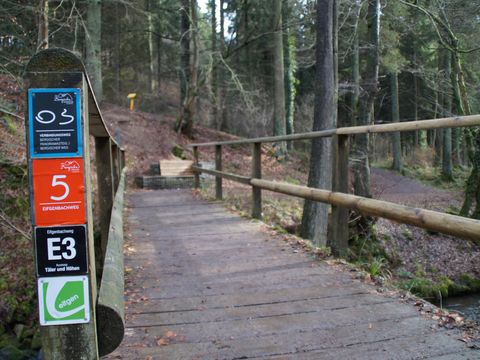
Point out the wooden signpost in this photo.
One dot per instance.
(78, 322)
(57, 130)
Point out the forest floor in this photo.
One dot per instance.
(412, 255)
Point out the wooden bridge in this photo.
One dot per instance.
(205, 284)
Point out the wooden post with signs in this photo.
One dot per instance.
(60, 193)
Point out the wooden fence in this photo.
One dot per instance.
(61, 75)
(339, 198)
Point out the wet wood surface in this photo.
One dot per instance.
(202, 283)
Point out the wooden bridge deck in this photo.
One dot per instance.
(205, 284)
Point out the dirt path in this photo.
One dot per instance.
(391, 186)
(434, 254)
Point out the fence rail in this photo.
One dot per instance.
(59, 73)
(441, 123)
(339, 198)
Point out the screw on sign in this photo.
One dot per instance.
(58, 191)
(63, 300)
(54, 123)
(61, 250)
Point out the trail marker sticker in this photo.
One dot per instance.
(63, 300)
(54, 123)
(61, 250)
(58, 191)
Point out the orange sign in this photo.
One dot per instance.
(58, 192)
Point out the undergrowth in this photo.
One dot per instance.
(18, 315)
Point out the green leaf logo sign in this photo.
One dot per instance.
(63, 300)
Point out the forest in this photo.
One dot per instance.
(253, 68)
(249, 67)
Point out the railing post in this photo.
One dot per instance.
(119, 162)
(196, 183)
(339, 232)
(257, 174)
(122, 159)
(115, 176)
(60, 194)
(106, 193)
(218, 167)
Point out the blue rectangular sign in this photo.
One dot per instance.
(55, 126)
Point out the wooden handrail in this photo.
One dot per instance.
(427, 219)
(110, 304)
(238, 178)
(340, 200)
(451, 122)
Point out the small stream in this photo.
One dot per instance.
(468, 305)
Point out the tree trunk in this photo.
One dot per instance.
(456, 153)
(355, 67)
(315, 215)
(289, 78)
(152, 78)
(361, 166)
(447, 165)
(93, 59)
(278, 76)
(396, 139)
(440, 103)
(117, 54)
(222, 119)
(215, 89)
(189, 67)
(159, 61)
(42, 41)
(184, 50)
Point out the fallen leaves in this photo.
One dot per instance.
(168, 338)
(444, 318)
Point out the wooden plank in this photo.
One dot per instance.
(313, 307)
(176, 168)
(201, 303)
(309, 343)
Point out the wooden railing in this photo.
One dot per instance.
(339, 198)
(60, 73)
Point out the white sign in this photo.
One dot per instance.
(63, 300)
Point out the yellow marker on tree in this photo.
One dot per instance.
(132, 97)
